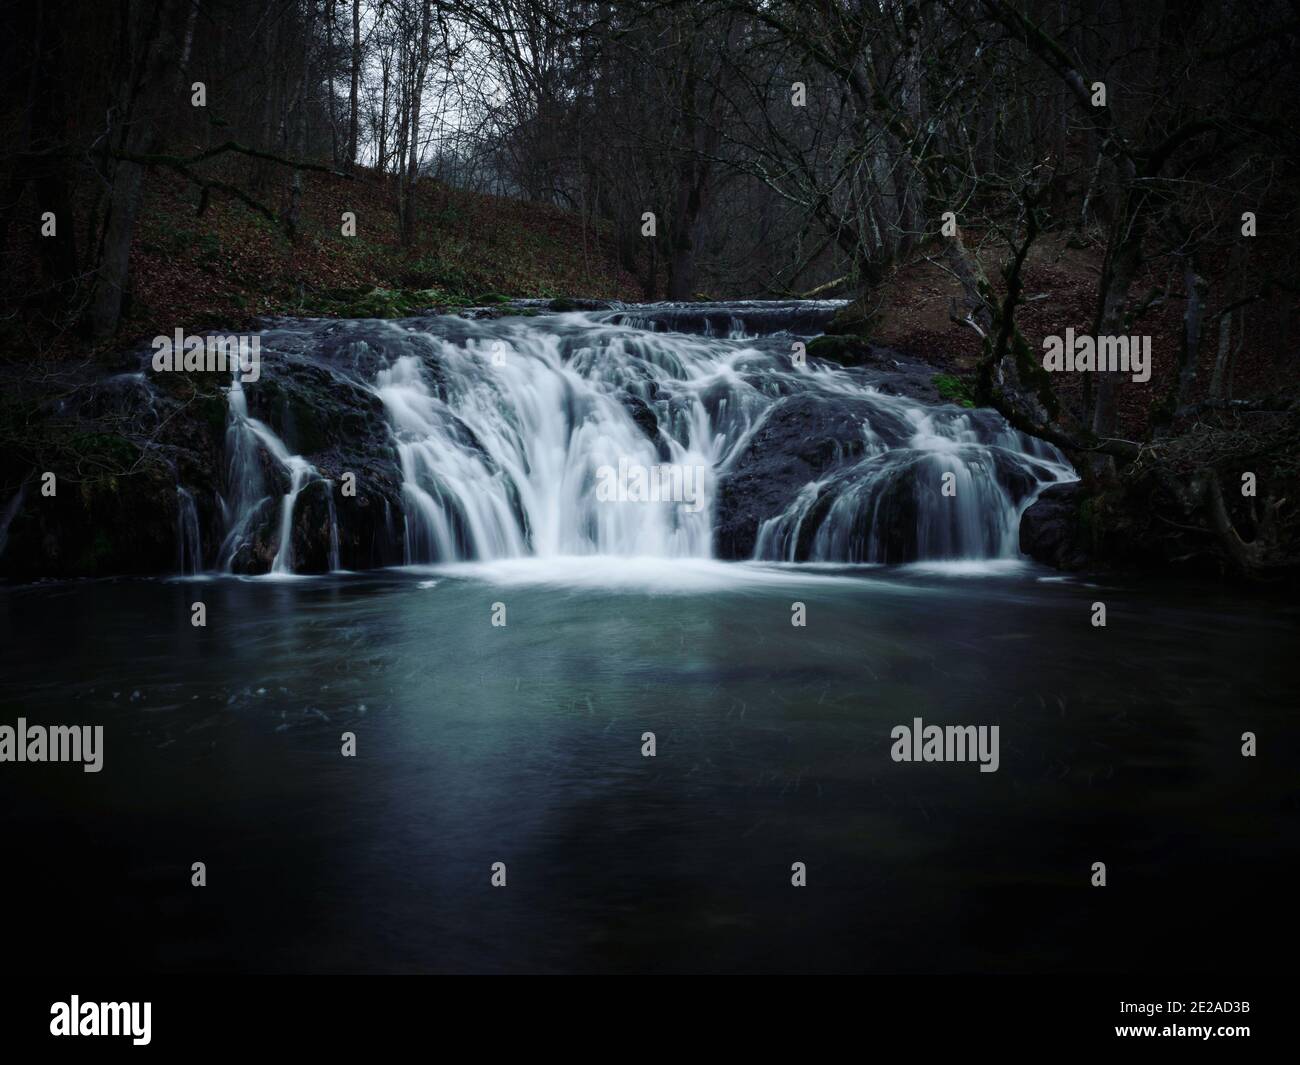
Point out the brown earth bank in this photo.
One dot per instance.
(220, 264)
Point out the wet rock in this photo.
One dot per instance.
(801, 438)
(1052, 529)
(738, 319)
(856, 318)
(645, 420)
(565, 304)
(94, 526)
(846, 350)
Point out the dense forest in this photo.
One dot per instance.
(971, 176)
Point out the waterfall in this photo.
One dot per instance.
(189, 548)
(298, 468)
(335, 564)
(890, 505)
(628, 432)
(733, 321)
(9, 513)
(247, 440)
(506, 462)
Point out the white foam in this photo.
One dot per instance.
(669, 576)
(972, 567)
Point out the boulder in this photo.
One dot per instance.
(1052, 528)
(800, 438)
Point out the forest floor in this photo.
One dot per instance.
(228, 265)
(233, 262)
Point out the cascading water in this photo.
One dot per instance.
(504, 430)
(937, 483)
(505, 462)
(247, 439)
(189, 546)
(8, 514)
(334, 559)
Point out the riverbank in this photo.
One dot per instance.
(226, 266)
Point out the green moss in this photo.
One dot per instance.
(953, 389)
(1033, 374)
(1087, 514)
(376, 302)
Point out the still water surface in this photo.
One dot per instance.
(522, 744)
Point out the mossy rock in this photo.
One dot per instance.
(845, 350)
(564, 304)
(853, 319)
(953, 389)
(376, 302)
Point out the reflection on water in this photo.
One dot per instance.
(522, 744)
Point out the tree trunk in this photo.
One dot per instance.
(1221, 358)
(356, 78)
(1123, 259)
(293, 213)
(47, 118)
(381, 163)
(413, 145)
(1189, 355)
(686, 224)
(134, 136)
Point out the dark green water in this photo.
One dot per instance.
(522, 744)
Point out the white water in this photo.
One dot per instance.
(247, 439)
(506, 465)
(650, 575)
(502, 428)
(980, 519)
(189, 545)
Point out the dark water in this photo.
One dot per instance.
(522, 744)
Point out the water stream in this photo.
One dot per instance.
(505, 428)
(500, 684)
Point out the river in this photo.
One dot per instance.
(496, 645)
